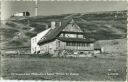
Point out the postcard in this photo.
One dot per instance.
(70, 40)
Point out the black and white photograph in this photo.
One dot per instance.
(70, 40)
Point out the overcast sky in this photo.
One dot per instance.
(61, 7)
(48, 8)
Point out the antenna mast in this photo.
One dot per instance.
(36, 7)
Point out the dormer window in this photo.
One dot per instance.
(43, 38)
(71, 35)
(80, 36)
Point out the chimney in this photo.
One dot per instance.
(58, 23)
(53, 23)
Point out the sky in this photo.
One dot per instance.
(46, 8)
(49, 8)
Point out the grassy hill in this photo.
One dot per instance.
(98, 25)
(114, 46)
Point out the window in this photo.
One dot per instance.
(72, 25)
(71, 35)
(59, 43)
(83, 44)
(80, 36)
(91, 44)
(70, 43)
(35, 48)
(66, 35)
(61, 35)
(76, 44)
(67, 44)
(88, 44)
(73, 44)
(43, 38)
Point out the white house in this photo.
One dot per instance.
(64, 35)
(34, 46)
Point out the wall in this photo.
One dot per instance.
(57, 45)
(48, 47)
(18, 14)
(34, 46)
(72, 28)
(63, 46)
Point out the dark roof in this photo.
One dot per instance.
(64, 39)
(53, 33)
(72, 32)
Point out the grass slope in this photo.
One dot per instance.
(85, 69)
(114, 46)
(100, 26)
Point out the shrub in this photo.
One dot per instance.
(16, 42)
(30, 34)
(47, 54)
(11, 24)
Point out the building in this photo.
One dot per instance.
(34, 41)
(64, 36)
(19, 14)
(97, 48)
(9, 8)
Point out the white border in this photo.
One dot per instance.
(63, 0)
(1, 80)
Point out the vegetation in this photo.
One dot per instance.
(110, 65)
(85, 69)
(99, 25)
(30, 34)
(16, 42)
(19, 55)
(8, 32)
(11, 24)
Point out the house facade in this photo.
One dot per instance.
(34, 41)
(64, 37)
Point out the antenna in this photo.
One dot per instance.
(36, 7)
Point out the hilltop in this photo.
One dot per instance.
(98, 25)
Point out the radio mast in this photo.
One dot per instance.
(36, 7)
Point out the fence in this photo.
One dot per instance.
(26, 55)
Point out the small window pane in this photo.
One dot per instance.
(80, 36)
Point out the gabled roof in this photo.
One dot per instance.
(44, 32)
(53, 33)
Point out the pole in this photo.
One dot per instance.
(36, 8)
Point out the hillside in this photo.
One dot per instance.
(98, 25)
